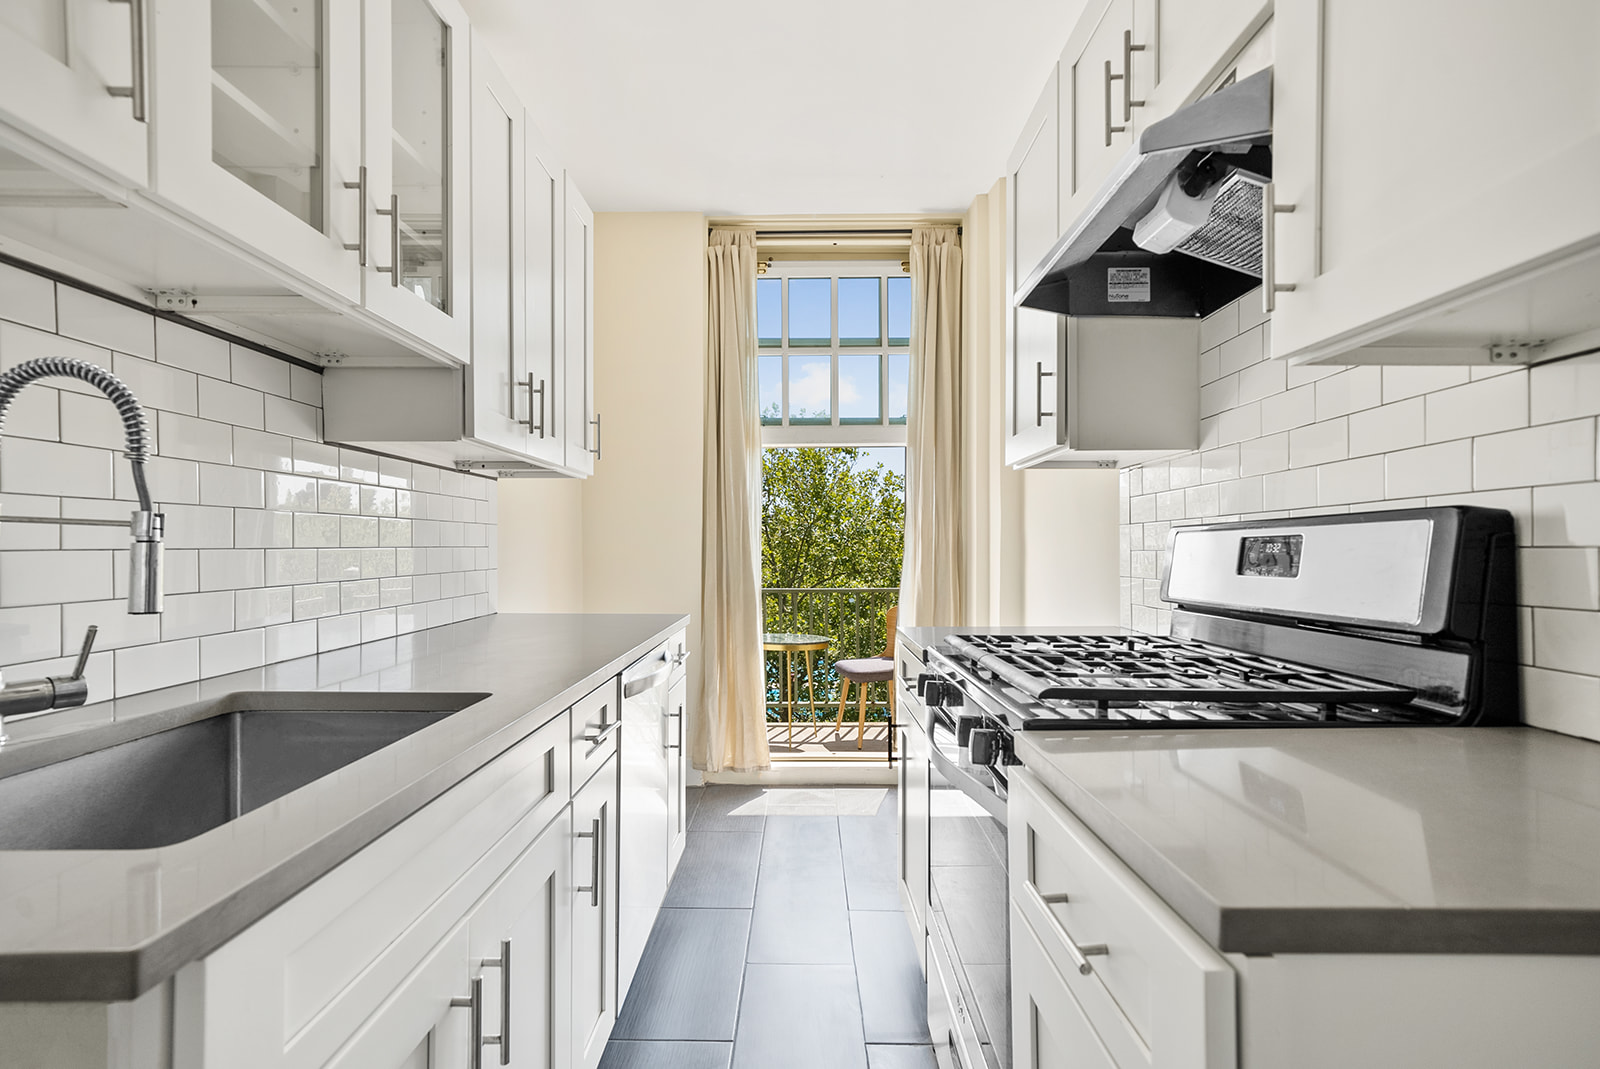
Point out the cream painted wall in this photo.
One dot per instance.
(1069, 547)
(541, 545)
(641, 508)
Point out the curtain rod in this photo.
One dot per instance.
(904, 233)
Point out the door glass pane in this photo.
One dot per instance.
(899, 311)
(859, 388)
(770, 377)
(811, 388)
(811, 312)
(421, 50)
(899, 380)
(858, 312)
(266, 99)
(769, 312)
(42, 23)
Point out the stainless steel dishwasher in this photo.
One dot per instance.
(649, 836)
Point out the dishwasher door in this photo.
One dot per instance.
(644, 833)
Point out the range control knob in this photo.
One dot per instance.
(964, 725)
(981, 746)
(924, 681)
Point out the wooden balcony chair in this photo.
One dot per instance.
(864, 670)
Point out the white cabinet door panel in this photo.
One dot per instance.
(594, 916)
(582, 436)
(545, 362)
(58, 61)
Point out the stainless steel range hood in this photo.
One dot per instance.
(1192, 184)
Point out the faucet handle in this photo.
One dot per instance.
(83, 654)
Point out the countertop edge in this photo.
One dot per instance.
(123, 974)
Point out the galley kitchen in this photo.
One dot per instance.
(721, 536)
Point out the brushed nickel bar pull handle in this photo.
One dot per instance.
(598, 739)
(473, 1003)
(528, 423)
(1128, 49)
(1270, 286)
(594, 864)
(1039, 414)
(360, 186)
(596, 424)
(135, 93)
(1109, 128)
(1080, 954)
(393, 212)
(503, 963)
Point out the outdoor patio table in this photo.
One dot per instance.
(789, 645)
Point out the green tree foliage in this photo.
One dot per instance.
(826, 522)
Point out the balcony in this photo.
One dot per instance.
(800, 718)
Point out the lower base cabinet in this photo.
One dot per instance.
(594, 916)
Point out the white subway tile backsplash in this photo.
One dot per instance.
(236, 464)
(1349, 481)
(1518, 439)
(50, 468)
(1498, 404)
(105, 323)
(1552, 453)
(1432, 469)
(259, 371)
(1402, 381)
(1349, 391)
(1386, 428)
(27, 298)
(1560, 578)
(284, 416)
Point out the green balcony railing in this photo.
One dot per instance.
(855, 619)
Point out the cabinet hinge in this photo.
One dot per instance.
(174, 300)
(1515, 352)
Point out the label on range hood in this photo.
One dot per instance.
(1126, 285)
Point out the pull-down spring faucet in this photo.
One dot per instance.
(146, 525)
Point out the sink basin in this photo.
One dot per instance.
(172, 784)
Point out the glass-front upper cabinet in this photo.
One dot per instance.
(257, 130)
(72, 79)
(418, 170)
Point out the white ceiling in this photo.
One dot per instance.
(749, 107)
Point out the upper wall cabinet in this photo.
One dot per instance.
(73, 77)
(1032, 175)
(257, 130)
(418, 101)
(583, 443)
(1443, 188)
(545, 368)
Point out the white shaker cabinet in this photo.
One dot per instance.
(73, 77)
(544, 370)
(674, 730)
(594, 916)
(1442, 171)
(418, 95)
(496, 412)
(1111, 392)
(582, 435)
(1102, 111)
(256, 131)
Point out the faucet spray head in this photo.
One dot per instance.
(144, 563)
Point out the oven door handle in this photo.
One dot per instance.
(967, 783)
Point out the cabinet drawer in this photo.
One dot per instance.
(1156, 993)
(596, 722)
(906, 670)
(1049, 1029)
(292, 988)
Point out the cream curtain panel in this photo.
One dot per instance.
(933, 574)
(732, 731)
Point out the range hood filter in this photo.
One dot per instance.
(1232, 235)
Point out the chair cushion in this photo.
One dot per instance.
(866, 669)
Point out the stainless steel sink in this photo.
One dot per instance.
(218, 761)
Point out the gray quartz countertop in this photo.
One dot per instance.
(1349, 840)
(106, 925)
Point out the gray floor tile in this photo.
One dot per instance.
(859, 801)
(801, 915)
(899, 1057)
(799, 1017)
(718, 870)
(802, 801)
(729, 807)
(687, 986)
(665, 1054)
(871, 862)
(894, 998)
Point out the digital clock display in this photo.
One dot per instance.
(1276, 556)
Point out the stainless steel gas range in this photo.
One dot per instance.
(1399, 618)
